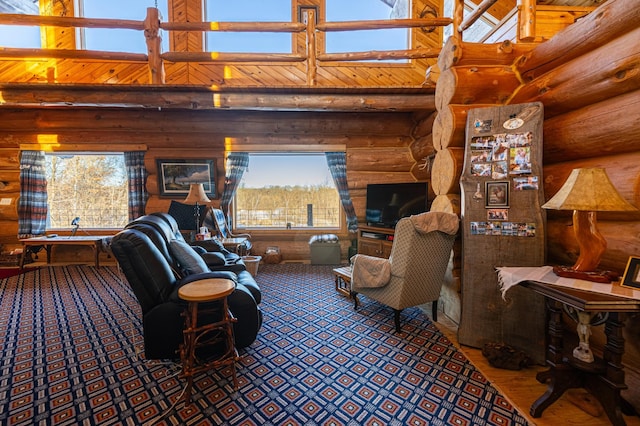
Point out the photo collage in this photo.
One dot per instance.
(504, 158)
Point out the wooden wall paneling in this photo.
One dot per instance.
(380, 159)
(552, 19)
(475, 85)
(611, 70)
(446, 171)
(622, 168)
(459, 53)
(622, 242)
(587, 34)
(603, 128)
(221, 123)
(449, 125)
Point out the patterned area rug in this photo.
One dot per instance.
(72, 354)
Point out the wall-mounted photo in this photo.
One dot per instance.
(497, 214)
(525, 183)
(175, 176)
(496, 194)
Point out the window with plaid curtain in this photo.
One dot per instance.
(137, 177)
(32, 206)
(237, 163)
(337, 162)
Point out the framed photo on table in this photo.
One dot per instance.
(176, 176)
(631, 277)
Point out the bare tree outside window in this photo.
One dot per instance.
(92, 187)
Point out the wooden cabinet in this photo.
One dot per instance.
(374, 241)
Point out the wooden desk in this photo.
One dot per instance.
(95, 242)
(604, 378)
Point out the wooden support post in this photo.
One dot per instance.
(154, 42)
(312, 66)
(458, 16)
(527, 21)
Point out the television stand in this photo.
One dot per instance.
(375, 241)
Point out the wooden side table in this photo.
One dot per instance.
(603, 378)
(198, 336)
(343, 280)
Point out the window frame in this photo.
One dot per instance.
(297, 231)
(59, 152)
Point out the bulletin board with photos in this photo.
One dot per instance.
(502, 224)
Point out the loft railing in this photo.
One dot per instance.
(152, 25)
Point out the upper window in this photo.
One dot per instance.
(92, 187)
(248, 11)
(287, 191)
(20, 36)
(118, 40)
(477, 31)
(366, 40)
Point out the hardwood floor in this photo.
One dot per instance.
(522, 388)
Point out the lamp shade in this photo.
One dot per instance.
(196, 194)
(589, 190)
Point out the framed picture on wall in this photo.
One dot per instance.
(175, 176)
(496, 194)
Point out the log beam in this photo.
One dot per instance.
(158, 97)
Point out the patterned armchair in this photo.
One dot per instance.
(415, 271)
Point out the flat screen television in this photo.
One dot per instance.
(387, 203)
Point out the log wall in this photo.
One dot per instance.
(587, 78)
(378, 147)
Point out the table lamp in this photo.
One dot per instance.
(197, 196)
(586, 192)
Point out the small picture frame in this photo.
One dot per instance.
(496, 194)
(631, 277)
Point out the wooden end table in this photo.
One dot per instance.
(604, 303)
(343, 280)
(198, 336)
(95, 242)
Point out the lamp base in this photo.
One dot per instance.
(596, 276)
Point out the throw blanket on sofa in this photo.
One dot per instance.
(369, 272)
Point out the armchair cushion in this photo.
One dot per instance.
(369, 272)
(188, 259)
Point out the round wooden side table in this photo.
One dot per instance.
(199, 336)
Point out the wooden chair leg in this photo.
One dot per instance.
(396, 319)
(434, 310)
(355, 299)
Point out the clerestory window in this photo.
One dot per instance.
(287, 191)
(248, 11)
(118, 40)
(20, 36)
(368, 40)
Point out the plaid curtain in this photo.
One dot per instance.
(237, 163)
(32, 206)
(337, 162)
(137, 177)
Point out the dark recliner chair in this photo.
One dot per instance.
(156, 261)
